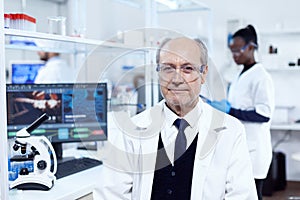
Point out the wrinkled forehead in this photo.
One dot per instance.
(180, 50)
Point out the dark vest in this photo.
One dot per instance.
(173, 182)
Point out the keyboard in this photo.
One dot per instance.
(73, 166)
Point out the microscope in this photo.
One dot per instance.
(43, 175)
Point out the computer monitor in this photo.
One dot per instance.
(25, 71)
(77, 112)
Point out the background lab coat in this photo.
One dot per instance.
(254, 90)
(222, 161)
(56, 70)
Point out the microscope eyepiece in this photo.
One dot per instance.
(37, 123)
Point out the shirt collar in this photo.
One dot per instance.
(192, 117)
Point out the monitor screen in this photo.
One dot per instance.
(77, 112)
(25, 71)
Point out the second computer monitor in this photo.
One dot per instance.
(25, 71)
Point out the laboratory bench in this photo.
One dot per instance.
(288, 128)
(76, 186)
(285, 127)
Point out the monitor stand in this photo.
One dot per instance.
(87, 146)
(59, 153)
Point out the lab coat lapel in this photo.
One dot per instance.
(208, 136)
(148, 149)
(148, 167)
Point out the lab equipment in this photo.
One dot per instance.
(14, 168)
(19, 21)
(6, 20)
(77, 112)
(42, 177)
(57, 25)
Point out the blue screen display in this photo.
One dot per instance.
(25, 73)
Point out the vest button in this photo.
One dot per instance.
(169, 191)
(173, 173)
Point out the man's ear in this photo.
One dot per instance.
(204, 74)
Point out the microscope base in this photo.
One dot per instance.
(33, 182)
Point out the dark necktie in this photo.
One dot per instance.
(180, 142)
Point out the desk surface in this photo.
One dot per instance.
(69, 187)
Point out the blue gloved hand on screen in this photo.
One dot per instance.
(222, 105)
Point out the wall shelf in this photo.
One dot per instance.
(285, 127)
(67, 44)
(280, 32)
(285, 69)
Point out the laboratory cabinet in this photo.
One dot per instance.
(279, 49)
(280, 52)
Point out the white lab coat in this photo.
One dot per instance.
(56, 70)
(254, 90)
(222, 162)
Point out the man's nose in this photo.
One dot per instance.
(177, 77)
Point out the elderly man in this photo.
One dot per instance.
(182, 148)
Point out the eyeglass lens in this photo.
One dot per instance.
(187, 72)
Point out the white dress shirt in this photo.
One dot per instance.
(169, 132)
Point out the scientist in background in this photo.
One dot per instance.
(56, 70)
(251, 100)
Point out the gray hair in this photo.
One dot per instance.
(203, 50)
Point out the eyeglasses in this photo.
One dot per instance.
(188, 71)
(238, 52)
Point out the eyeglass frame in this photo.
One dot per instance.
(181, 68)
(242, 50)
